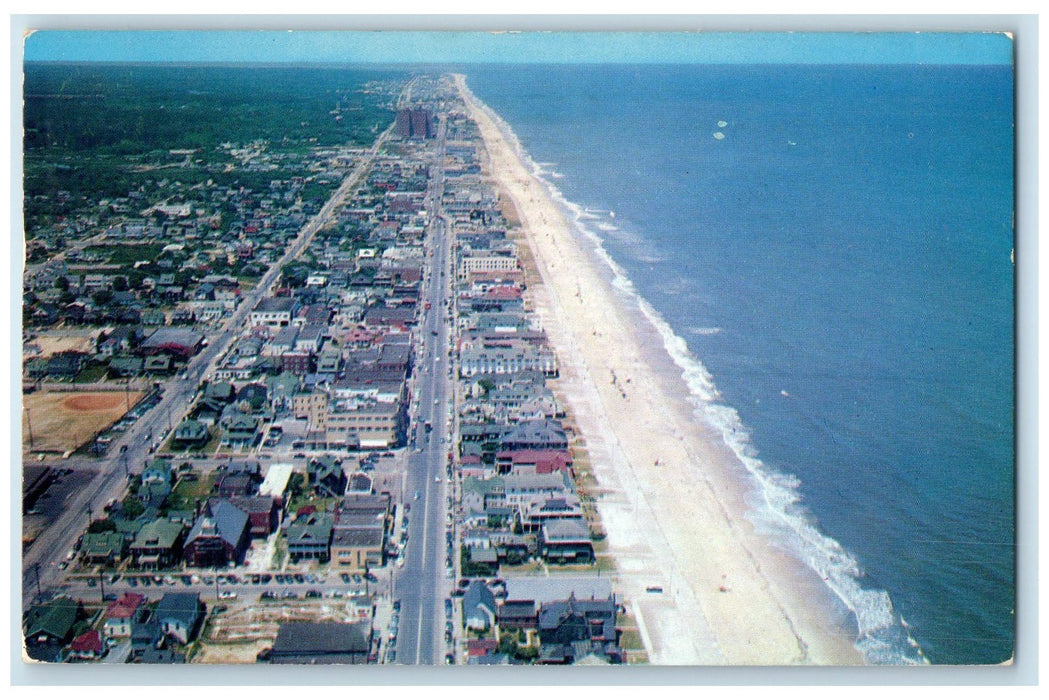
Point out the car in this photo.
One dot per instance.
(208, 580)
(186, 580)
(397, 604)
(109, 596)
(280, 578)
(416, 496)
(437, 479)
(232, 578)
(228, 595)
(371, 577)
(91, 583)
(314, 594)
(255, 578)
(391, 656)
(267, 595)
(449, 659)
(299, 578)
(345, 577)
(133, 582)
(266, 578)
(654, 589)
(146, 581)
(448, 607)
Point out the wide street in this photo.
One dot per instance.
(423, 583)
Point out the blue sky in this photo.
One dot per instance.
(554, 47)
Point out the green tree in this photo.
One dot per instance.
(132, 507)
(99, 526)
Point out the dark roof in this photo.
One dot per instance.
(320, 642)
(221, 519)
(478, 594)
(517, 608)
(55, 617)
(173, 336)
(184, 608)
(160, 656)
(357, 537)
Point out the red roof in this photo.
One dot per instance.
(480, 647)
(125, 606)
(88, 641)
(306, 510)
(545, 461)
(503, 293)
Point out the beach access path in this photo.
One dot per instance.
(672, 494)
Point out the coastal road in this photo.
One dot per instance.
(40, 562)
(423, 584)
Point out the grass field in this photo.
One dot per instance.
(62, 421)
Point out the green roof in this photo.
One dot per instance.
(312, 528)
(55, 617)
(159, 533)
(100, 544)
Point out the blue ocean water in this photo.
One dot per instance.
(832, 244)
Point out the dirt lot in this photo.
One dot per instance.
(51, 344)
(238, 634)
(62, 421)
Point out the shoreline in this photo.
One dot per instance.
(729, 594)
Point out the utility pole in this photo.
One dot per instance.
(29, 421)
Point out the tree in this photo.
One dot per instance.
(102, 297)
(62, 284)
(120, 283)
(132, 507)
(99, 526)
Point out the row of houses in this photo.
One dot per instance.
(131, 629)
(519, 498)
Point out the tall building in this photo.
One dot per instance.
(402, 126)
(414, 124)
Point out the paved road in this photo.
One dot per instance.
(40, 563)
(423, 584)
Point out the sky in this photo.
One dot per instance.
(304, 46)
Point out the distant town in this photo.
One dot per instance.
(308, 419)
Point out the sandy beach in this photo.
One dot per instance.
(672, 493)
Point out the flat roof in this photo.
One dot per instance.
(548, 589)
(276, 480)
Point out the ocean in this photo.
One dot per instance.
(827, 252)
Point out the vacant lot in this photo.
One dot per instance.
(51, 344)
(246, 628)
(61, 421)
